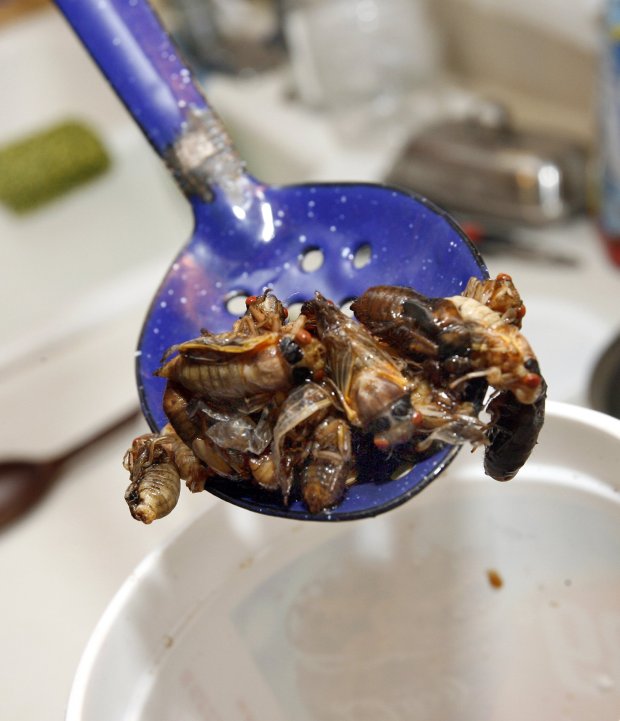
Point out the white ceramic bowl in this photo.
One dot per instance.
(476, 600)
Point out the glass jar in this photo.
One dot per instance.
(360, 58)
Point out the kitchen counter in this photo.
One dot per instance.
(62, 564)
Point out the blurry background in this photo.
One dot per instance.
(491, 107)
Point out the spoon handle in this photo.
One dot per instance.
(137, 56)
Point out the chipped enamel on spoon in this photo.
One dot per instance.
(248, 236)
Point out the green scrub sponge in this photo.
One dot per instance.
(47, 164)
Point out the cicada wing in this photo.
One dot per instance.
(417, 310)
(299, 412)
(218, 348)
(341, 366)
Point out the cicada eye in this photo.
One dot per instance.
(250, 299)
(381, 443)
(532, 380)
(531, 365)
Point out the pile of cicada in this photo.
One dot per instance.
(274, 402)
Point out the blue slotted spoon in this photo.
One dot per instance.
(248, 235)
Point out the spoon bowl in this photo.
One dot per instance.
(339, 238)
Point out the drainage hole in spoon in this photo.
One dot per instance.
(362, 256)
(235, 302)
(294, 309)
(311, 259)
(345, 307)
